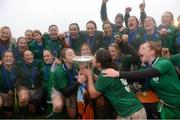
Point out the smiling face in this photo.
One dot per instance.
(53, 31)
(28, 35)
(28, 57)
(114, 52)
(132, 23)
(85, 50)
(37, 37)
(47, 57)
(91, 29)
(5, 34)
(8, 58)
(22, 44)
(146, 54)
(166, 19)
(149, 24)
(107, 29)
(73, 29)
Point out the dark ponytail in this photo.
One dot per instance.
(105, 59)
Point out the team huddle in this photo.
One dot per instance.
(134, 73)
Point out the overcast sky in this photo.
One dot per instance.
(20, 15)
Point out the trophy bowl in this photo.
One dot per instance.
(82, 60)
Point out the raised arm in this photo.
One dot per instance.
(142, 12)
(103, 11)
(127, 15)
(133, 76)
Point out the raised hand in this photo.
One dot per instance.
(117, 38)
(125, 38)
(163, 31)
(122, 29)
(61, 35)
(81, 78)
(86, 72)
(142, 7)
(128, 10)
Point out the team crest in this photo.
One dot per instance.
(156, 79)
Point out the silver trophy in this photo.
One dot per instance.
(82, 60)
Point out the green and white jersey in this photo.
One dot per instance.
(167, 85)
(118, 93)
(175, 59)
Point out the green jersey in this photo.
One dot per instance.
(175, 59)
(46, 75)
(37, 49)
(62, 76)
(54, 45)
(76, 44)
(167, 85)
(119, 95)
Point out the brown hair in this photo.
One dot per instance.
(104, 23)
(135, 19)
(85, 44)
(105, 59)
(48, 51)
(7, 51)
(28, 50)
(63, 54)
(28, 30)
(21, 38)
(37, 31)
(75, 25)
(114, 45)
(53, 25)
(91, 21)
(151, 19)
(156, 46)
